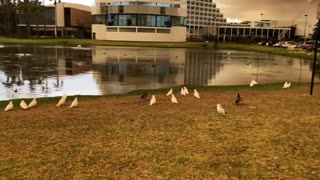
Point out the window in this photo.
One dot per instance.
(112, 20)
(163, 21)
(98, 19)
(120, 9)
(146, 20)
(127, 20)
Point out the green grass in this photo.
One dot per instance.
(122, 137)
(265, 49)
(264, 87)
(221, 46)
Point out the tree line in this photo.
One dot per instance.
(11, 11)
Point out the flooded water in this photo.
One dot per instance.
(40, 71)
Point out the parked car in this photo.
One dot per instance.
(308, 45)
(289, 45)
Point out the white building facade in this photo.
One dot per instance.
(203, 15)
(143, 20)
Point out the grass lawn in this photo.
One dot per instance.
(123, 137)
(221, 46)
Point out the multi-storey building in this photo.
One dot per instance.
(143, 20)
(60, 20)
(203, 17)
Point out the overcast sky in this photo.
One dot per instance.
(289, 10)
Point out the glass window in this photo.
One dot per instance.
(112, 20)
(178, 21)
(163, 21)
(98, 19)
(183, 6)
(146, 20)
(115, 3)
(127, 20)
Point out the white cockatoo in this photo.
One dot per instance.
(174, 99)
(153, 100)
(183, 92)
(170, 92)
(9, 107)
(23, 105)
(186, 90)
(62, 100)
(286, 85)
(220, 109)
(196, 94)
(74, 103)
(33, 103)
(252, 83)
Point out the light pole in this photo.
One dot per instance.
(261, 24)
(305, 27)
(55, 21)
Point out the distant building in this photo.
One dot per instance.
(61, 20)
(202, 14)
(130, 20)
(265, 29)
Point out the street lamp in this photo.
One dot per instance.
(261, 24)
(55, 19)
(305, 27)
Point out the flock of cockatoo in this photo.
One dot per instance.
(184, 91)
(286, 85)
(34, 103)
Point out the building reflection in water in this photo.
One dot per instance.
(201, 67)
(123, 69)
(39, 71)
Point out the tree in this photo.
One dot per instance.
(8, 16)
(316, 31)
(29, 8)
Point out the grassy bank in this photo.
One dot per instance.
(264, 87)
(221, 46)
(122, 137)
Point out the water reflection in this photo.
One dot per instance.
(29, 71)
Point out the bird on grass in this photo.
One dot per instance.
(144, 96)
(170, 92)
(174, 99)
(196, 94)
(74, 103)
(33, 103)
(9, 107)
(183, 92)
(238, 99)
(23, 105)
(153, 100)
(252, 83)
(186, 90)
(286, 85)
(220, 109)
(62, 100)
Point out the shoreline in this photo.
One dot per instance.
(163, 91)
(202, 45)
